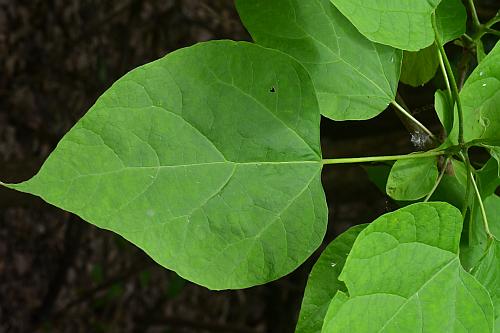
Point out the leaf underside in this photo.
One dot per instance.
(208, 159)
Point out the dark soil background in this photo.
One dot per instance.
(60, 274)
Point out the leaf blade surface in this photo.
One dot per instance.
(195, 160)
(323, 282)
(354, 78)
(403, 278)
(403, 25)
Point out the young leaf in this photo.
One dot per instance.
(323, 281)
(451, 20)
(354, 78)
(451, 188)
(403, 275)
(419, 67)
(412, 179)
(195, 160)
(444, 109)
(480, 99)
(404, 25)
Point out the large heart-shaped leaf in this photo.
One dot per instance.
(354, 78)
(403, 274)
(208, 159)
(323, 282)
(404, 24)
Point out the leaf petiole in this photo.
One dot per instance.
(453, 82)
(438, 181)
(481, 206)
(445, 75)
(413, 119)
(381, 158)
(493, 21)
(493, 32)
(465, 158)
(475, 18)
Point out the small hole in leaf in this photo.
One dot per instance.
(272, 90)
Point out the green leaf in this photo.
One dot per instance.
(495, 153)
(323, 281)
(208, 159)
(480, 98)
(403, 275)
(477, 231)
(451, 20)
(492, 207)
(354, 78)
(419, 67)
(412, 179)
(475, 244)
(488, 178)
(444, 109)
(482, 256)
(452, 187)
(487, 272)
(404, 25)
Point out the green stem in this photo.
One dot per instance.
(472, 222)
(381, 158)
(475, 18)
(443, 171)
(446, 79)
(413, 119)
(493, 21)
(469, 38)
(481, 207)
(453, 82)
(465, 158)
(493, 32)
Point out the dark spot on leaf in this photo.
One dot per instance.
(273, 90)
